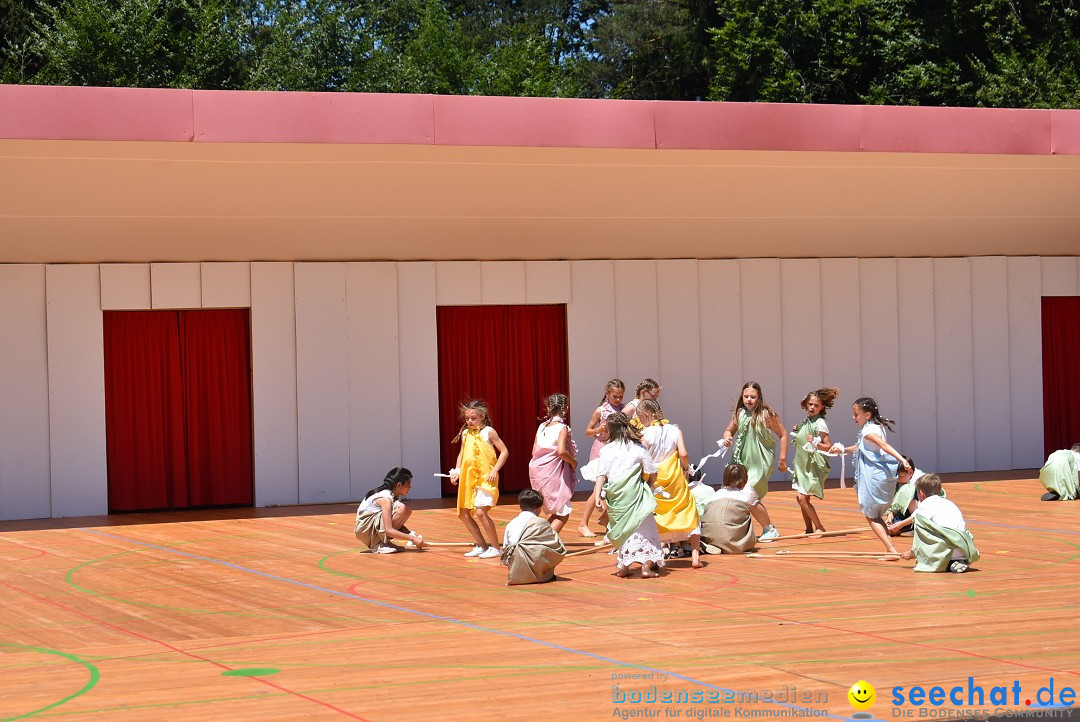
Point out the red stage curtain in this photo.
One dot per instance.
(510, 356)
(144, 411)
(177, 409)
(217, 392)
(1061, 380)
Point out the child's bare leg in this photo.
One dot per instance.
(810, 516)
(878, 526)
(470, 525)
(649, 570)
(695, 551)
(804, 509)
(761, 515)
(399, 516)
(487, 525)
(557, 522)
(590, 506)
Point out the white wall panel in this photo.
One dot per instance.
(680, 349)
(502, 283)
(374, 374)
(24, 394)
(419, 374)
(590, 330)
(720, 325)
(636, 337)
(879, 342)
(322, 382)
(800, 309)
(125, 286)
(458, 283)
(1059, 276)
(954, 368)
(547, 282)
(990, 347)
(1024, 281)
(762, 337)
(273, 382)
(176, 285)
(226, 285)
(76, 391)
(841, 339)
(918, 385)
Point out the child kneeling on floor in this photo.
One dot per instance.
(531, 548)
(942, 541)
(725, 522)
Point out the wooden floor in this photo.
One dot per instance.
(276, 615)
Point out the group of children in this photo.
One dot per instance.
(647, 495)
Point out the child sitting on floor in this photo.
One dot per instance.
(942, 541)
(725, 522)
(1061, 475)
(531, 548)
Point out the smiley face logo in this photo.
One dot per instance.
(862, 695)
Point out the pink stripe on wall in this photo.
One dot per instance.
(223, 116)
(757, 126)
(543, 122)
(45, 112)
(140, 114)
(906, 129)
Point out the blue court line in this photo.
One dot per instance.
(468, 625)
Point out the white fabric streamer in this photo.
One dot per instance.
(721, 453)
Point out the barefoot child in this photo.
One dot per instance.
(597, 428)
(676, 511)
(531, 547)
(381, 516)
(725, 524)
(875, 471)
(810, 467)
(942, 541)
(757, 427)
(477, 477)
(1060, 475)
(626, 471)
(554, 459)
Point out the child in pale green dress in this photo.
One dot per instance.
(753, 431)
(810, 467)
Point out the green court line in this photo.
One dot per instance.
(95, 675)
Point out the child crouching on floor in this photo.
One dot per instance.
(725, 523)
(942, 541)
(531, 548)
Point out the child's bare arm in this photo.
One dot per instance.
(594, 428)
(504, 453)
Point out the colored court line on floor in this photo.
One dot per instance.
(170, 646)
(95, 675)
(448, 620)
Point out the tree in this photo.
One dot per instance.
(145, 43)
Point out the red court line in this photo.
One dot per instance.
(170, 647)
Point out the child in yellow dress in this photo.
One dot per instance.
(477, 477)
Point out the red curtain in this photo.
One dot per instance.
(510, 356)
(144, 411)
(1061, 380)
(177, 409)
(217, 392)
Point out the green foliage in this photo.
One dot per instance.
(1015, 53)
(145, 43)
(1012, 53)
